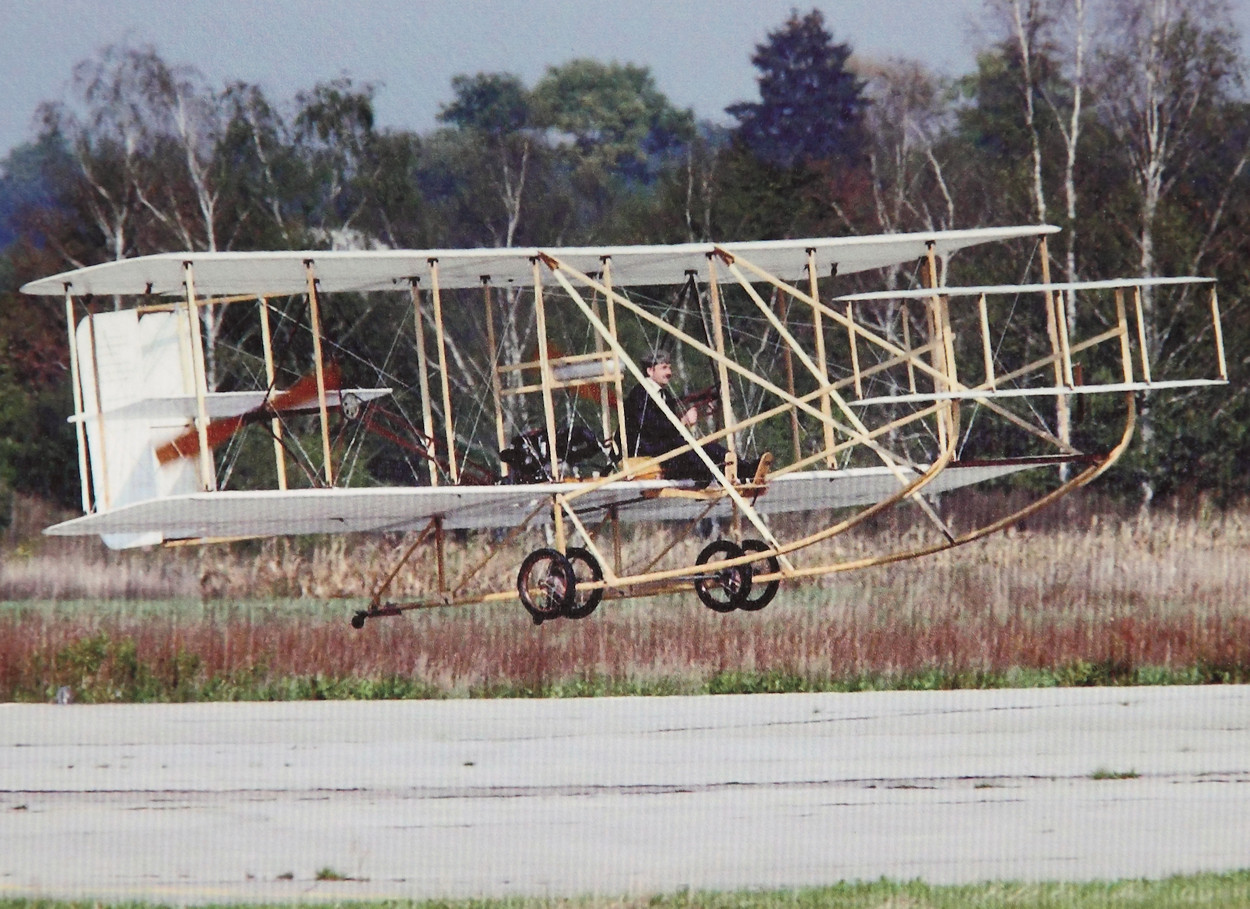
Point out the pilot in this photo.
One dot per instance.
(649, 432)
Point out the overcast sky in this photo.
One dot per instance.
(698, 50)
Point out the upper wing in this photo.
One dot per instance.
(285, 272)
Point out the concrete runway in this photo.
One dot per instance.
(211, 802)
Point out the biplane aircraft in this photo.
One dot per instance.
(856, 374)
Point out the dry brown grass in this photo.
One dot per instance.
(1121, 592)
(632, 648)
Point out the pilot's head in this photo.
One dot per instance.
(659, 366)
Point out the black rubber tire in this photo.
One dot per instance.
(761, 596)
(358, 620)
(585, 568)
(727, 589)
(545, 584)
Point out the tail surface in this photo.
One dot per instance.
(137, 388)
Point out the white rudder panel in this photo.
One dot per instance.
(128, 362)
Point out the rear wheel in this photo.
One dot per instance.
(545, 584)
(760, 595)
(586, 570)
(726, 589)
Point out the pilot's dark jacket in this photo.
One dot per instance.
(648, 430)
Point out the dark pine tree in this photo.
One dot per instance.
(811, 107)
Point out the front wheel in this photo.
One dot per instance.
(586, 570)
(546, 584)
(727, 589)
(760, 595)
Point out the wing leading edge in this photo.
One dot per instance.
(285, 272)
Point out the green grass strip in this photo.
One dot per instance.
(1229, 890)
(130, 681)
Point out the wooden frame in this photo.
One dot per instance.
(935, 359)
(926, 399)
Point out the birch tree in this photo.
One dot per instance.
(908, 115)
(1167, 66)
(110, 136)
(145, 144)
(1054, 92)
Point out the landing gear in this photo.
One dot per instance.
(727, 589)
(586, 570)
(760, 595)
(733, 588)
(548, 580)
(546, 584)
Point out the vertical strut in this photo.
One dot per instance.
(1057, 309)
(1141, 334)
(605, 405)
(1126, 347)
(615, 514)
(850, 331)
(102, 485)
(818, 329)
(84, 471)
(1219, 334)
(787, 356)
(1057, 329)
(449, 428)
(987, 351)
(266, 339)
(722, 373)
(319, 366)
(544, 368)
(423, 377)
(620, 367)
(495, 389)
(911, 364)
(207, 478)
(549, 407)
(938, 340)
(440, 554)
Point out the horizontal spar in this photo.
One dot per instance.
(974, 394)
(924, 293)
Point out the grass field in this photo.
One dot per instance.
(1224, 890)
(1079, 598)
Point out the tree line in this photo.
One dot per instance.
(1125, 122)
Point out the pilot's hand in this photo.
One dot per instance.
(691, 417)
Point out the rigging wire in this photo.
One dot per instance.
(748, 335)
